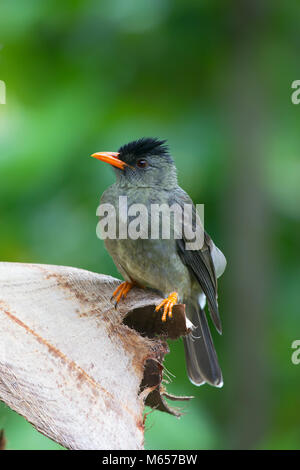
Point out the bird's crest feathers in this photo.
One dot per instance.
(145, 146)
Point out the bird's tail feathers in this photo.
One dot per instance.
(201, 357)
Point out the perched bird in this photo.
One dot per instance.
(146, 174)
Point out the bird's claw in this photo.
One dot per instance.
(168, 305)
(121, 292)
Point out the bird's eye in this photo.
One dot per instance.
(142, 163)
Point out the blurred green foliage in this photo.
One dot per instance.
(89, 75)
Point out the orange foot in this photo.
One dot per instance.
(168, 305)
(121, 291)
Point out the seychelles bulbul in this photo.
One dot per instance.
(146, 174)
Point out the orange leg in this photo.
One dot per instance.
(122, 291)
(168, 305)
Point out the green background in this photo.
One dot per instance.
(214, 78)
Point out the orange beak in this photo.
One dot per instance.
(111, 158)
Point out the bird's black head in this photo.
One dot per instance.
(145, 162)
(135, 152)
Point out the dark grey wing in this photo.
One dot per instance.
(200, 262)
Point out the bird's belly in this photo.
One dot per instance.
(152, 263)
